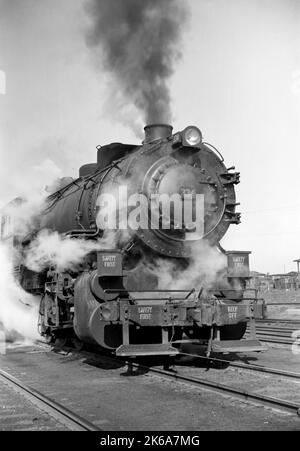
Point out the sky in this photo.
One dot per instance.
(238, 80)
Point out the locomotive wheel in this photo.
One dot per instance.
(48, 338)
(60, 342)
(77, 344)
(45, 332)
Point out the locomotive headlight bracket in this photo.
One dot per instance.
(189, 137)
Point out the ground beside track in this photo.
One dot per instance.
(19, 414)
(102, 393)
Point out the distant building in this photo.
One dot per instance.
(267, 282)
(260, 281)
(288, 281)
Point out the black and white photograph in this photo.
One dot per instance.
(149, 219)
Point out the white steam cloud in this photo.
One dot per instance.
(52, 249)
(205, 266)
(24, 211)
(18, 309)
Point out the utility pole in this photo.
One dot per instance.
(298, 271)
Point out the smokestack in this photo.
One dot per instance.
(154, 132)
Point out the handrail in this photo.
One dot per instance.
(215, 149)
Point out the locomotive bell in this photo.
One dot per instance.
(154, 132)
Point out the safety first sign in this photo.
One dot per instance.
(109, 264)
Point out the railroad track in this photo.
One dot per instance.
(52, 408)
(276, 334)
(246, 366)
(74, 422)
(224, 389)
(267, 401)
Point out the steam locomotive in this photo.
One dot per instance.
(114, 298)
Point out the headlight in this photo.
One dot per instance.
(192, 136)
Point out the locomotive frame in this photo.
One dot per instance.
(103, 302)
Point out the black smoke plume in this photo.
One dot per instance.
(137, 42)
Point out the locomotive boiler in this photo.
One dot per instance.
(114, 298)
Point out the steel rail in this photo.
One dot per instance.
(275, 333)
(275, 336)
(246, 366)
(279, 334)
(278, 320)
(283, 304)
(287, 329)
(276, 329)
(59, 412)
(267, 339)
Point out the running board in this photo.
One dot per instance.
(238, 346)
(146, 350)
